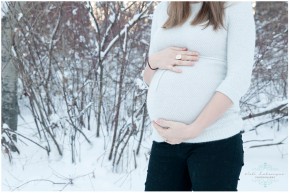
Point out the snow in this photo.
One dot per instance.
(112, 18)
(52, 7)
(135, 18)
(87, 5)
(264, 106)
(82, 39)
(256, 177)
(140, 84)
(71, 51)
(85, 109)
(99, 70)
(68, 23)
(125, 38)
(123, 31)
(265, 168)
(144, 42)
(74, 11)
(54, 118)
(5, 126)
(102, 54)
(77, 56)
(20, 15)
(13, 52)
(4, 8)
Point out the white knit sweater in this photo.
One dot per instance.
(225, 65)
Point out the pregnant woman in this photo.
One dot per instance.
(200, 63)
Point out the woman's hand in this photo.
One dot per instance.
(165, 59)
(175, 132)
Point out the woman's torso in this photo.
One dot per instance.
(182, 96)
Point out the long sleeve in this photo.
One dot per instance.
(153, 28)
(240, 51)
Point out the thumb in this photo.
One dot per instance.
(164, 123)
(175, 69)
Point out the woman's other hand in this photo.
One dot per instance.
(174, 132)
(165, 59)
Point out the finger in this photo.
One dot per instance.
(160, 130)
(176, 142)
(168, 141)
(189, 53)
(160, 125)
(175, 69)
(184, 63)
(155, 125)
(171, 142)
(164, 122)
(178, 48)
(190, 58)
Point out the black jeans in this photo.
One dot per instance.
(206, 166)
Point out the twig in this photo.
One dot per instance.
(26, 138)
(258, 140)
(263, 123)
(38, 180)
(270, 144)
(274, 110)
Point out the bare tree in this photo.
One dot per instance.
(268, 95)
(9, 79)
(77, 66)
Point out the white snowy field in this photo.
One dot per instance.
(265, 169)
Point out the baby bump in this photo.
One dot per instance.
(182, 96)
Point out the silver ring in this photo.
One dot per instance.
(178, 57)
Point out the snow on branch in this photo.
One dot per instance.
(281, 108)
(270, 144)
(126, 27)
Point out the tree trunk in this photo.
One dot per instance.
(9, 78)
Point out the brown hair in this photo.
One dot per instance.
(211, 11)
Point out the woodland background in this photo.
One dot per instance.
(74, 103)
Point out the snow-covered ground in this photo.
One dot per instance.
(265, 169)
